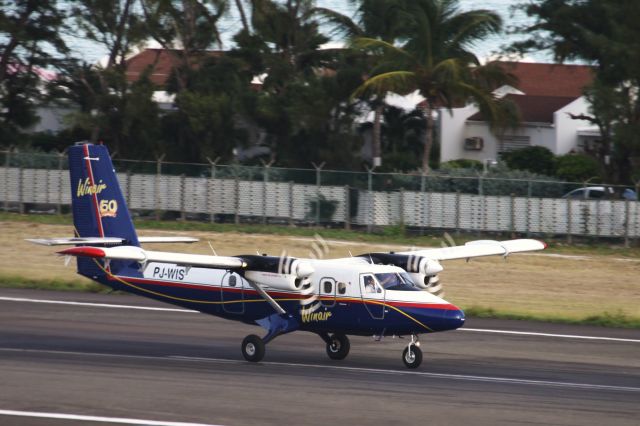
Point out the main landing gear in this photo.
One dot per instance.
(337, 345)
(253, 348)
(412, 355)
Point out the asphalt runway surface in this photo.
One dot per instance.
(172, 366)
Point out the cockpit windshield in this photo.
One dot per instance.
(396, 281)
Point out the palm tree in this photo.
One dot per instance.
(377, 19)
(436, 60)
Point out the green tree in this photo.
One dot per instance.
(577, 167)
(435, 59)
(377, 19)
(30, 41)
(536, 159)
(604, 33)
(303, 103)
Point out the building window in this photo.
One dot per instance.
(509, 143)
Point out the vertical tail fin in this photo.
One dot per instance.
(99, 208)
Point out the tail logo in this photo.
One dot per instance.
(85, 188)
(108, 208)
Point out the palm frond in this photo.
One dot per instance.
(342, 23)
(400, 82)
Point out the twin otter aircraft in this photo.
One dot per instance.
(375, 294)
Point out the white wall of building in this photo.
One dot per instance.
(567, 128)
(453, 132)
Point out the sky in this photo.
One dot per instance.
(92, 52)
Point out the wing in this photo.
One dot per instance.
(138, 254)
(107, 240)
(479, 248)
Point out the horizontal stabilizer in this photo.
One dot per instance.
(480, 248)
(138, 254)
(76, 240)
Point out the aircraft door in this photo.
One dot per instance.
(328, 292)
(373, 295)
(232, 294)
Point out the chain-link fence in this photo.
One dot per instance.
(234, 193)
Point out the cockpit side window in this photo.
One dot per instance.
(370, 285)
(395, 281)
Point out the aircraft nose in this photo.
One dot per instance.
(454, 318)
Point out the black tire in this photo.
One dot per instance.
(412, 356)
(253, 348)
(339, 347)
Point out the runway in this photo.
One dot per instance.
(120, 365)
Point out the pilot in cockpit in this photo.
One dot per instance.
(369, 285)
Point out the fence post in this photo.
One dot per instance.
(7, 165)
(569, 221)
(347, 208)
(458, 212)
(291, 205)
(212, 216)
(20, 189)
(157, 186)
(318, 168)
(423, 207)
(183, 181)
(370, 192)
(529, 194)
(401, 209)
(60, 180)
(265, 181)
(513, 216)
(237, 196)
(627, 222)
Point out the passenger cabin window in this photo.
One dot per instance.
(232, 281)
(327, 287)
(342, 288)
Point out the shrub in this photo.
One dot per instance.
(535, 159)
(577, 167)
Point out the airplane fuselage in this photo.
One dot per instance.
(334, 299)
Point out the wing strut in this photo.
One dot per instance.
(266, 297)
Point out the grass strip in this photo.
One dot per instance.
(15, 281)
(604, 319)
(390, 235)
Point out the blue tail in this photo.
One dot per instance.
(99, 208)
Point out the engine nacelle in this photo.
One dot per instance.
(277, 281)
(430, 283)
(282, 265)
(411, 264)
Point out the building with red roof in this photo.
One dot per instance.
(546, 95)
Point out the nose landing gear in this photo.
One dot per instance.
(338, 346)
(412, 355)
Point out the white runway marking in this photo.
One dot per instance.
(561, 336)
(478, 330)
(101, 419)
(99, 305)
(462, 377)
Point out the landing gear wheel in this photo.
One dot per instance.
(339, 346)
(412, 356)
(253, 348)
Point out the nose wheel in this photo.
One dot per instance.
(253, 348)
(412, 355)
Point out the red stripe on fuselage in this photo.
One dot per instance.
(96, 208)
(277, 294)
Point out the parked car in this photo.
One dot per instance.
(598, 192)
